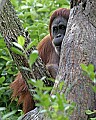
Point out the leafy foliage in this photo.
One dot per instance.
(90, 72)
(34, 16)
(56, 107)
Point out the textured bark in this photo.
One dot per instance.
(79, 46)
(11, 28)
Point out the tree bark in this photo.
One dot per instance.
(79, 46)
(11, 28)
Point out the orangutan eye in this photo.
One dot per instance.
(55, 29)
(61, 27)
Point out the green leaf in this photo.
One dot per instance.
(61, 85)
(25, 68)
(2, 88)
(9, 114)
(39, 84)
(43, 10)
(33, 14)
(2, 43)
(84, 67)
(95, 80)
(18, 45)
(45, 101)
(21, 40)
(25, 7)
(43, 111)
(2, 79)
(33, 56)
(65, 2)
(33, 43)
(92, 118)
(15, 2)
(39, 5)
(47, 88)
(92, 76)
(94, 88)
(19, 118)
(17, 51)
(2, 108)
(91, 68)
(5, 58)
(37, 97)
(89, 112)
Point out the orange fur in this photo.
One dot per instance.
(48, 56)
(45, 46)
(20, 90)
(59, 12)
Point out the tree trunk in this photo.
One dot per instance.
(11, 28)
(79, 46)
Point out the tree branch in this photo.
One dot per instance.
(79, 46)
(11, 28)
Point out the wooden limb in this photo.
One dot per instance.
(77, 2)
(11, 28)
(79, 46)
(33, 115)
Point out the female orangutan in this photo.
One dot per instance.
(49, 51)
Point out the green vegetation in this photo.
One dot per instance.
(34, 16)
(89, 71)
